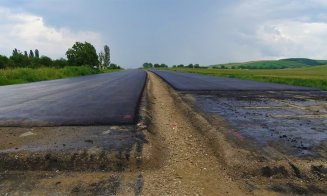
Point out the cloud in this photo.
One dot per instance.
(268, 29)
(26, 31)
(204, 32)
(294, 38)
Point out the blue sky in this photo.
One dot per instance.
(169, 31)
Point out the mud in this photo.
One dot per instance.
(294, 123)
(259, 158)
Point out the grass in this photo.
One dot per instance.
(25, 75)
(315, 77)
(275, 64)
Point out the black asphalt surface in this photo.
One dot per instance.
(196, 82)
(103, 99)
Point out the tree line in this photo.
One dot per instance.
(150, 65)
(80, 54)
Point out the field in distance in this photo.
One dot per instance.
(273, 64)
(314, 76)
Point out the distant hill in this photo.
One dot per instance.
(273, 64)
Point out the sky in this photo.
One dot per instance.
(173, 32)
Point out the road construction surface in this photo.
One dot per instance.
(248, 138)
(289, 117)
(196, 82)
(75, 127)
(103, 99)
(272, 134)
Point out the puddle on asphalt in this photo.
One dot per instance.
(295, 121)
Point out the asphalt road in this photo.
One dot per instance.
(103, 99)
(197, 82)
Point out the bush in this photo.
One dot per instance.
(45, 61)
(3, 61)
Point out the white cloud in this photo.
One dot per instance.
(275, 29)
(26, 31)
(294, 38)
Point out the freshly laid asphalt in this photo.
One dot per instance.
(196, 82)
(103, 99)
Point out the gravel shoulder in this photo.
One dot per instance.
(190, 166)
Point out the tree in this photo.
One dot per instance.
(190, 66)
(60, 62)
(19, 60)
(114, 66)
(45, 61)
(101, 60)
(25, 53)
(181, 65)
(31, 55)
(106, 57)
(36, 53)
(15, 52)
(82, 54)
(3, 61)
(147, 65)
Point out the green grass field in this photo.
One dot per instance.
(25, 75)
(315, 77)
(274, 64)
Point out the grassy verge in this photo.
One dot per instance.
(25, 75)
(315, 77)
